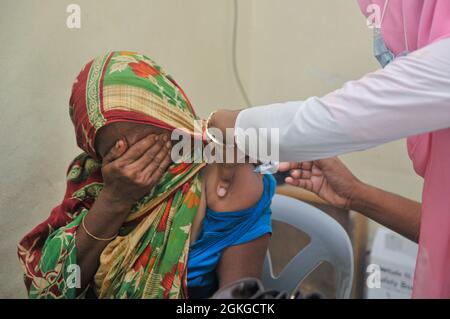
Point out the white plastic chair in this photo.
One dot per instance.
(329, 243)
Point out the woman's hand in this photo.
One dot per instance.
(129, 173)
(330, 179)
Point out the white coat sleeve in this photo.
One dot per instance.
(410, 96)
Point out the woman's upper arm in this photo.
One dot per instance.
(244, 192)
(244, 260)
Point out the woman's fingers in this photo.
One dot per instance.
(115, 152)
(155, 152)
(138, 170)
(149, 168)
(137, 150)
(155, 170)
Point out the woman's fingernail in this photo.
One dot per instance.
(118, 144)
(168, 144)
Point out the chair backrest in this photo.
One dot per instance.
(328, 243)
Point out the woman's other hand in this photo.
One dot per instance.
(330, 179)
(130, 172)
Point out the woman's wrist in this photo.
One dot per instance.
(114, 203)
(105, 217)
(100, 225)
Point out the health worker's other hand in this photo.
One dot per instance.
(329, 178)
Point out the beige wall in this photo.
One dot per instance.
(39, 60)
(288, 49)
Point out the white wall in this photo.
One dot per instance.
(288, 49)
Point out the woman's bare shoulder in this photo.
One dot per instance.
(244, 191)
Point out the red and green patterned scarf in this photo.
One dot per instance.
(149, 257)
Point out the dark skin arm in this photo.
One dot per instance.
(331, 180)
(398, 213)
(242, 261)
(244, 190)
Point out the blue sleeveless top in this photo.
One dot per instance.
(224, 229)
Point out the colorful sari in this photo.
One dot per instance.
(149, 257)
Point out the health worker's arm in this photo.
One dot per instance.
(408, 97)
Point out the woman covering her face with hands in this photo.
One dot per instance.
(134, 224)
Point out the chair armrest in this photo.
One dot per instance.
(300, 194)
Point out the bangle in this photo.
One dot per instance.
(209, 119)
(93, 236)
(206, 132)
(211, 136)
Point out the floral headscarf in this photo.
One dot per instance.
(149, 257)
